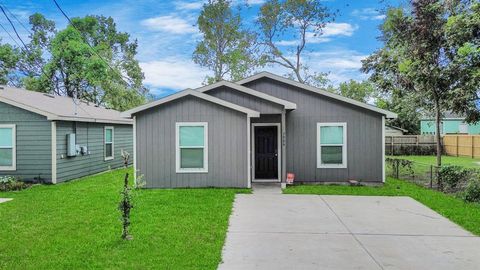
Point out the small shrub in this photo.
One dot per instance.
(408, 150)
(126, 204)
(472, 191)
(451, 177)
(10, 183)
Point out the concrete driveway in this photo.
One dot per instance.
(274, 231)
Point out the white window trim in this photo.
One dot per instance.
(344, 147)
(14, 148)
(105, 143)
(205, 147)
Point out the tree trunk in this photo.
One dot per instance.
(438, 121)
(299, 76)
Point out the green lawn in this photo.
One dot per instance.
(446, 160)
(464, 214)
(76, 226)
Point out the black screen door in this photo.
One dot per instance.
(266, 155)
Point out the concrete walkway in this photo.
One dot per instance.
(274, 231)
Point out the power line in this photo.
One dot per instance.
(8, 33)
(123, 78)
(21, 40)
(14, 29)
(15, 17)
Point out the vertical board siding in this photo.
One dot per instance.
(246, 100)
(33, 146)
(364, 134)
(92, 136)
(227, 145)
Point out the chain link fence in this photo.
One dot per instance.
(422, 174)
(450, 179)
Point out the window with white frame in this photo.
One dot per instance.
(7, 148)
(109, 143)
(331, 145)
(191, 147)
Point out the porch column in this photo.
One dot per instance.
(284, 147)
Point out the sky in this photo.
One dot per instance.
(167, 35)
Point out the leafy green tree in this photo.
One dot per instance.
(279, 21)
(89, 60)
(408, 115)
(225, 49)
(9, 57)
(362, 91)
(431, 54)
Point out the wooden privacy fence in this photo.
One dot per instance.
(410, 140)
(409, 145)
(462, 145)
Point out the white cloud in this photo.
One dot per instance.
(182, 5)
(339, 29)
(331, 30)
(196, 5)
(173, 73)
(171, 24)
(255, 2)
(342, 64)
(368, 14)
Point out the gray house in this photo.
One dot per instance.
(52, 139)
(257, 130)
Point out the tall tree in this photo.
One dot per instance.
(362, 91)
(9, 59)
(292, 19)
(226, 49)
(89, 59)
(432, 54)
(408, 114)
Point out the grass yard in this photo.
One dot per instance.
(76, 226)
(464, 214)
(446, 160)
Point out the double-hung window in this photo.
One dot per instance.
(191, 147)
(109, 143)
(331, 145)
(7, 148)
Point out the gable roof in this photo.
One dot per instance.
(396, 128)
(187, 92)
(59, 107)
(286, 104)
(316, 90)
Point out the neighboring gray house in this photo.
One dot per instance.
(256, 130)
(52, 139)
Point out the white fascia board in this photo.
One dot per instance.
(269, 75)
(249, 112)
(90, 120)
(286, 104)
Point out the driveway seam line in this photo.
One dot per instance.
(363, 234)
(351, 233)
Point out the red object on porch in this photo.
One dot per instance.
(290, 178)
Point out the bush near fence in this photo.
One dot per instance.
(406, 145)
(457, 180)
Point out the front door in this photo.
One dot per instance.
(266, 152)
